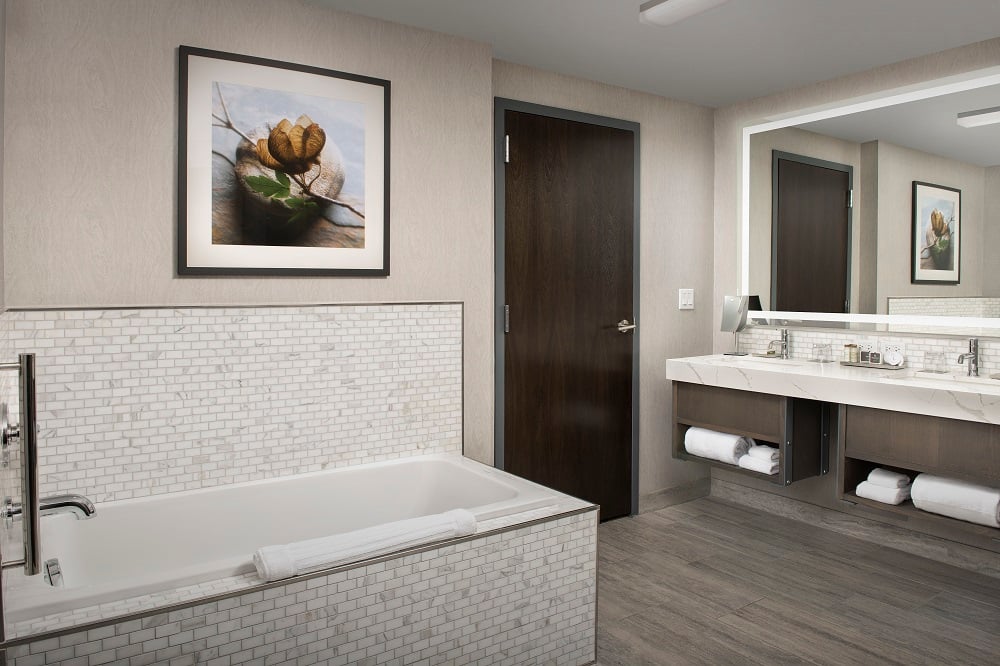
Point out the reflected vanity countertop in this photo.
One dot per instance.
(906, 390)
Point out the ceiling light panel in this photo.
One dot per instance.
(979, 118)
(668, 12)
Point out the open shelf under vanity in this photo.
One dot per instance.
(798, 428)
(911, 444)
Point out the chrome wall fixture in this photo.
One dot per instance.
(26, 433)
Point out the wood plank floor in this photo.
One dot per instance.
(709, 582)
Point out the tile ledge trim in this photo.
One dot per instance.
(219, 306)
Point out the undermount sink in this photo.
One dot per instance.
(946, 377)
(762, 361)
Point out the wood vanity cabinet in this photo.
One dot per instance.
(799, 428)
(965, 450)
(911, 444)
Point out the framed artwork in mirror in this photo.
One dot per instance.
(283, 169)
(936, 234)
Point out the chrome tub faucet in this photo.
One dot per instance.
(77, 505)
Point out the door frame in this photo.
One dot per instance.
(825, 164)
(500, 106)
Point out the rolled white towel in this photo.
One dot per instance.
(957, 499)
(887, 479)
(764, 452)
(285, 561)
(716, 445)
(759, 465)
(882, 494)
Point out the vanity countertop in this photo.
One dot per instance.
(948, 396)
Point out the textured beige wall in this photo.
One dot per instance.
(91, 136)
(991, 233)
(3, 33)
(868, 238)
(675, 212)
(730, 121)
(808, 144)
(898, 167)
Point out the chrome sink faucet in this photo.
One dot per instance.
(782, 343)
(972, 356)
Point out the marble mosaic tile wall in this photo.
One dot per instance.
(916, 348)
(954, 307)
(527, 596)
(147, 401)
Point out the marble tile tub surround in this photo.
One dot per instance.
(522, 597)
(915, 347)
(233, 585)
(136, 402)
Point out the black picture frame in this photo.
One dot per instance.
(322, 206)
(936, 234)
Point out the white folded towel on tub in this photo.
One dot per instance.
(957, 499)
(882, 494)
(763, 452)
(759, 465)
(716, 445)
(887, 479)
(293, 559)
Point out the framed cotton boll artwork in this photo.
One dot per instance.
(936, 234)
(282, 168)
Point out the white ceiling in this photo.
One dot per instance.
(928, 125)
(739, 50)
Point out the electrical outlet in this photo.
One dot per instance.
(685, 299)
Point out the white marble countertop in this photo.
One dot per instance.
(948, 396)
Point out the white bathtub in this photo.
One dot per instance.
(142, 546)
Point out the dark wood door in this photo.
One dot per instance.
(569, 197)
(811, 234)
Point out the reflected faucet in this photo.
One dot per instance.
(77, 505)
(783, 343)
(972, 356)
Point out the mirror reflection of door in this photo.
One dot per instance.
(810, 234)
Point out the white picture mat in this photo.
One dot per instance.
(201, 252)
(923, 193)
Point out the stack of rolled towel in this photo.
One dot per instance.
(957, 499)
(885, 487)
(761, 458)
(719, 446)
(732, 449)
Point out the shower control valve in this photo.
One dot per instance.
(9, 434)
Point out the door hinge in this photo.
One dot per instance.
(850, 198)
(506, 148)
(506, 319)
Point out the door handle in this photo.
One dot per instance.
(624, 326)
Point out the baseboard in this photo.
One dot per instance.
(677, 495)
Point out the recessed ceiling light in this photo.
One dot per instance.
(978, 118)
(667, 12)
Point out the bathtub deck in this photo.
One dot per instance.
(713, 582)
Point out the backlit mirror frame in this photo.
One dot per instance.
(933, 88)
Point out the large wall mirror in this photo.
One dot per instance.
(828, 229)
